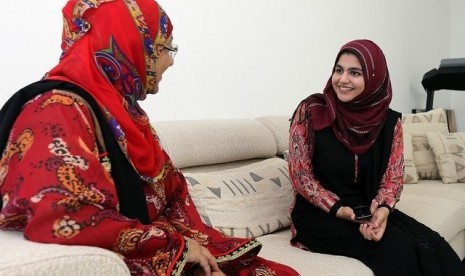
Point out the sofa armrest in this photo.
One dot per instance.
(22, 257)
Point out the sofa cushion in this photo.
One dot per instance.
(206, 142)
(279, 127)
(411, 174)
(22, 257)
(248, 201)
(449, 152)
(437, 189)
(418, 125)
(423, 157)
(455, 191)
(444, 215)
(431, 121)
(457, 244)
(276, 247)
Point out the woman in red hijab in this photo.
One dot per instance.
(82, 165)
(346, 166)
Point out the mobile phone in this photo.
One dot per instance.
(362, 212)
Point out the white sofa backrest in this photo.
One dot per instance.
(193, 143)
(279, 126)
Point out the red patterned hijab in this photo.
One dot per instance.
(357, 123)
(110, 50)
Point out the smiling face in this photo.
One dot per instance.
(347, 79)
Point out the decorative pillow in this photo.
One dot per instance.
(423, 157)
(418, 125)
(249, 201)
(449, 151)
(431, 121)
(410, 174)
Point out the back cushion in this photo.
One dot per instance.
(423, 157)
(247, 201)
(411, 174)
(279, 127)
(431, 121)
(206, 142)
(449, 152)
(415, 127)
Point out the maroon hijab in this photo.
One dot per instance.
(357, 123)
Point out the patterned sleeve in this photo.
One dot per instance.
(55, 188)
(300, 162)
(393, 180)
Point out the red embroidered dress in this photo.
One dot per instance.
(55, 180)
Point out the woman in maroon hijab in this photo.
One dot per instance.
(83, 166)
(346, 166)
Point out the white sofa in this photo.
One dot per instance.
(240, 185)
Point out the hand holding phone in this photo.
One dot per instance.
(362, 212)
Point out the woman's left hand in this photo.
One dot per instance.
(374, 229)
(198, 254)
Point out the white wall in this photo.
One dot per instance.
(458, 51)
(30, 42)
(244, 59)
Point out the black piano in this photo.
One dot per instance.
(450, 76)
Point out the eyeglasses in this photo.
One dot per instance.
(172, 49)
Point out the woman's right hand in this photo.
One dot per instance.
(200, 255)
(345, 212)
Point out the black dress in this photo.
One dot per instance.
(407, 247)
